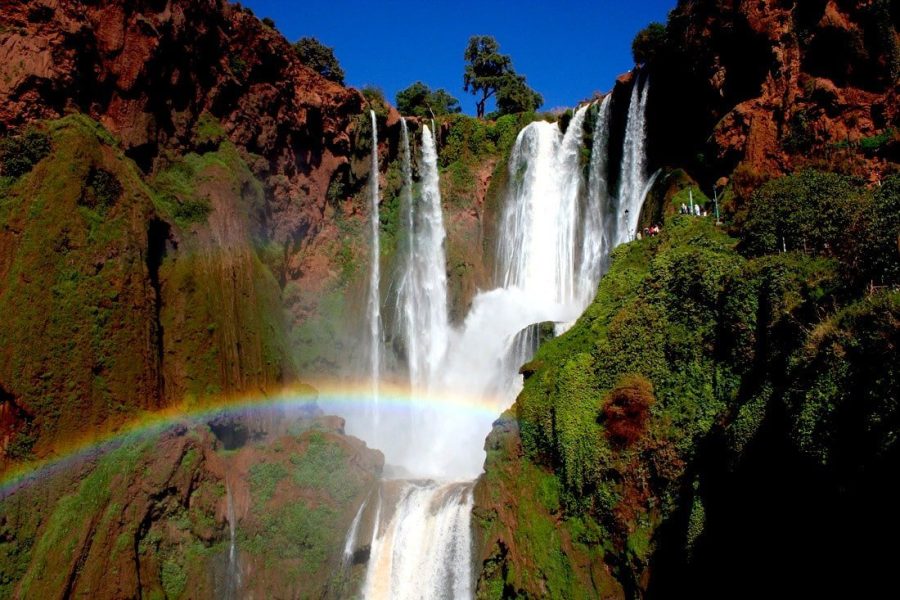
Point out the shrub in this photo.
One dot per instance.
(102, 189)
(375, 97)
(19, 153)
(320, 58)
(875, 251)
(626, 409)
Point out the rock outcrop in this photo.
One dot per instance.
(770, 87)
(153, 516)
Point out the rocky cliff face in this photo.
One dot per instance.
(771, 87)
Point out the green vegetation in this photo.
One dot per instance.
(320, 58)
(323, 467)
(420, 101)
(490, 74)
(811, 211)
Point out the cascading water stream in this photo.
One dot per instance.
(374, 300)
(424, 550)
(633, 185)
(595, 239)
(422, 292)
(353, 533)
(233, 585)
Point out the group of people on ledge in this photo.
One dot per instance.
(648, 232)
(694, 209)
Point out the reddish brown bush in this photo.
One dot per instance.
(626, 409)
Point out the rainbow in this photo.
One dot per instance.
(329, 396)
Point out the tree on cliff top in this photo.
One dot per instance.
(320, 58)
(490, 73)
(419, 100)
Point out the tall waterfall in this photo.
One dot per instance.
(633, 185)
(422, 293)
(596, 237)
(374, 300)
(555, 234)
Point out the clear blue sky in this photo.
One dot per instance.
(566, 49)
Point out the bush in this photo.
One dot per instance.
(626, 409)
(18, 154)
(375, 97)
(875, 250)
(320, 58)
(811, 212)
(102, 189)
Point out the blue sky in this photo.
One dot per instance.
(566, 49)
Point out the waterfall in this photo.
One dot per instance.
(233, 587)
(595, 238)
(556, 230)
(406, 308)
(374, 300)
(422, 292)
(633, 185)
(425, 550)
(353, 533)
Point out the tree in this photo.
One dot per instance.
(648, 43)
(420, 101)
(320, 58)
(514, 96)
(486, 69)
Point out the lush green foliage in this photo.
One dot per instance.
(420, 101)
(264, 479)
(320, 58)
(874, 240)
(830, 215)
